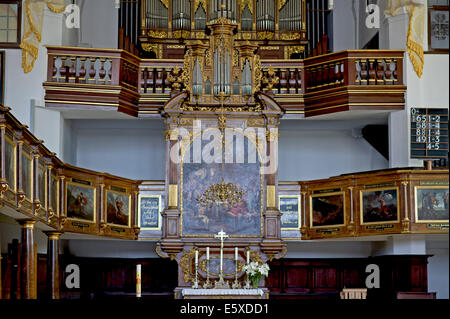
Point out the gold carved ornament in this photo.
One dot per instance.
(265, 35)
(165, 3)
(289, 36)
(152, 47)
(197, 4)
(32, 36)
(270, 79)
(257, 74)
(186, 74)
(175, 79)
(185, 264)
(248, 3)
(157, 34)
(282, 3)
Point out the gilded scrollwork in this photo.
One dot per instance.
(197, 4)
(186, 74)
(157, 34)
(185, 264)
(257, 74)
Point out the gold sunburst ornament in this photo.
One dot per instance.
(221, 193)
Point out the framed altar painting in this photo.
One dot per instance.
(81, 201)
(379, 206)
(327, 210)
(149, 209)
(118, 208)
(431, 204)
(289, 206)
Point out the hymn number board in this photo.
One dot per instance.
(429, 133)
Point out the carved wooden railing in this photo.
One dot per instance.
(353, 79)
(26, 164)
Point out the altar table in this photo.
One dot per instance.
(190, 293)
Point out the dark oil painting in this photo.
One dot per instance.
(432, 203)
(242, 218)
(117, 208)
(80, 202)
(379, 206)
(327, 210)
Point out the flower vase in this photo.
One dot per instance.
(255, 282)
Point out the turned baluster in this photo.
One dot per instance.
(92, 71)
(372, 72)
(164, 79)
(288, 82)
(380, 71)
(364, 72)
(102, 72)
(388, 72)
(154, 77)
(82, 72)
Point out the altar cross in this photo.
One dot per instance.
(221, 236)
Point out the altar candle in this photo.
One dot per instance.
(235, 253)
(248, 256)
(196, 257)
(138, 281)
(207, 253)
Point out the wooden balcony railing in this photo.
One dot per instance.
(340, 81)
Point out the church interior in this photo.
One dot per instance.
(244, 149)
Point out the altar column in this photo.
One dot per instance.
(272, 245)
(171, 244)
(28, 276)
(53, 264)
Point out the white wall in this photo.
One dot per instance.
(320, 149)
(438, 268)
(345, 17)
(21, 88)
(99, 24)
(128, 148)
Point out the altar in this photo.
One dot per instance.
(190, 293)
(221, 221)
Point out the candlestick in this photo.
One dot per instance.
(207, 253)
(247, 281)
(195, 285)
(236, 284)
(138, 281)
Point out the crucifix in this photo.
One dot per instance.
(221, 283)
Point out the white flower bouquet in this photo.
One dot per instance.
(255, 271)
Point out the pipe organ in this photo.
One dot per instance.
(156, 15)
(265, 15)
(256, 20)
(291, 15)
